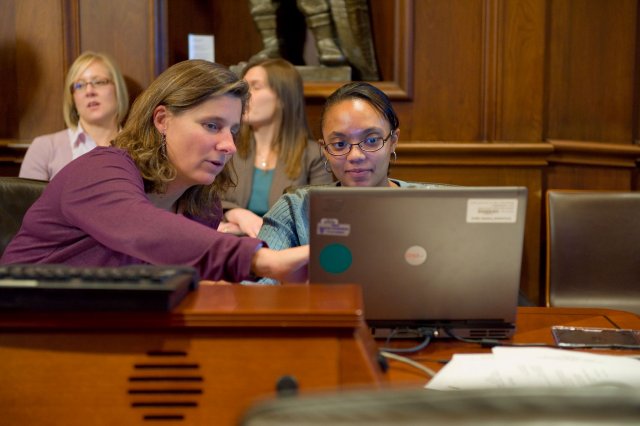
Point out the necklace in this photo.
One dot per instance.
(263, 158)
(263, 161)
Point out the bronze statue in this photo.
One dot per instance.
(348, 19)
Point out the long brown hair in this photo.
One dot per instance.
(183, 86)
(290, 140)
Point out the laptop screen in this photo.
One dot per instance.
(446, 257)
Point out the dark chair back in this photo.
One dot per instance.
(593, 249)
(16, 196)
(596, 405)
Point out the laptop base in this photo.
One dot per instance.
(442, 329)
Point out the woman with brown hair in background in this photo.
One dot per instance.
(275, 147)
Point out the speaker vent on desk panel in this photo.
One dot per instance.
(165, 386)
(488, 334)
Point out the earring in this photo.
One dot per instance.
(326, 166)
(163, 145)
(395, 156)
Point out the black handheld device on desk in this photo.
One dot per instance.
(125, 288)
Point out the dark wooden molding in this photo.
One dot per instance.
(491, 66)
(159, 37)
(71, 31)
(400, 87)
(594, 153)
(12, 150)
(509, 154)
(518, 154)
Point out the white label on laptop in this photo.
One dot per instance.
(492, 210)
(329, 226)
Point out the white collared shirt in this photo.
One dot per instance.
(81, 142)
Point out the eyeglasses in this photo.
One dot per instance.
(81, 85)
(368, 144)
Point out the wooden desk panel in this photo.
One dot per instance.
(221, 350)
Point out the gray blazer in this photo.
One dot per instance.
(311, 173)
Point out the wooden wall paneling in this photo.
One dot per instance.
(39, 68)
(591, 70)
(518, 114)
(636, 91)
(408, 119)
(126, 30)
(448, 97)
(237, 45)
(383, 17)
(513, 154)
(590, 177)
(399, 85)
(595, 153)
(70, 31)
(490, 82)
(183, 18)
(230, 22)
(9, 119)
(11, 154)
(592, 165)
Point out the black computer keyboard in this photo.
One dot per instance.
(126, 288)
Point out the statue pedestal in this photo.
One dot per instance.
(311, 73)
(321, 73)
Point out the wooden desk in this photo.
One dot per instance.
(533, 325)
(221, 350)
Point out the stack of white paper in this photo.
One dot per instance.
(536, 367)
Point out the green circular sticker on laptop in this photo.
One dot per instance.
(335, 258)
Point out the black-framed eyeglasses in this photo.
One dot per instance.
(81, 85)
(368, 144)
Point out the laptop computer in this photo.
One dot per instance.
(445, 259)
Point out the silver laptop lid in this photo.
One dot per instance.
(449, 255)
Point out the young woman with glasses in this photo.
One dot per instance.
(360, 132)
(95, 104)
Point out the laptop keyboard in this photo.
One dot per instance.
(62, 287)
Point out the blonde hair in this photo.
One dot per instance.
(82, 62)
(183, 86)
(290, 140)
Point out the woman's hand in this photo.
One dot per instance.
(229, 228)
(287, 266)
(248, 222)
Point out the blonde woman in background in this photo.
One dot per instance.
(94, 106)
(275, 146)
